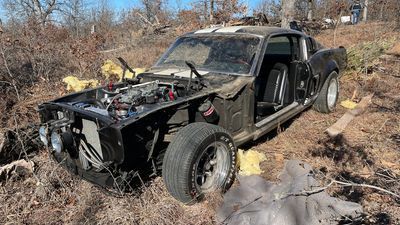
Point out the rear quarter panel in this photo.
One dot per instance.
(325, 61)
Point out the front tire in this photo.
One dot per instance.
(201, 159)
(328, 96)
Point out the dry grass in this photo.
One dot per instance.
(53, 196)
(369, 146)
(395, 50)
(351, 35)
(145, 51)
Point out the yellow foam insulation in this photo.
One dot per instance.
(74, 84)
(139, 70)
(348, 104)
(249, 162)
(110, 69)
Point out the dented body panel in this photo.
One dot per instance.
(132, 121)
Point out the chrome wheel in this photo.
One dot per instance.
(332, 93)
(212, 167)
(200, 159)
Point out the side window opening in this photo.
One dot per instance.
(279, 45)
(272, 84)
(310, 46)
(296, 48)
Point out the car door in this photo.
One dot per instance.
(301, 70)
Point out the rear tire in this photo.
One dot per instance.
(200, 159)
(328, 96)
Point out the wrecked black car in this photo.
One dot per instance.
(212, 91)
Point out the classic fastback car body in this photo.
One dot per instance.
(213, 90)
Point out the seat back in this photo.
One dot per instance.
(276, 84)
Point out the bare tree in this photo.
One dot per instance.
(205, 12)
(310, 13)
(227, 9)
(365, 13)
(271, 8)
(41, 10)
(74, 14)
(152, 9)
(102, 17)
(211, 10)
(288, 12)
(397, 17)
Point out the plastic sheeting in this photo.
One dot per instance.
(290, 202)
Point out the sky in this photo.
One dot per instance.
(174, 4)
(171, 4)
(120, 4)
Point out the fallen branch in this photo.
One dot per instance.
(345, 184)
(20, 168)
(338, 127)
(379, 130)
(23, 148)
(367, 186)
(15, 142)
(242, 207)
(144, 19)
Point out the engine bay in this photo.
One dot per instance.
(124, 102)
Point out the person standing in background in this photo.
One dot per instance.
(355, 10)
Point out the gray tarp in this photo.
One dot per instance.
(257, 202)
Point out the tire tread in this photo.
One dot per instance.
(179, 157)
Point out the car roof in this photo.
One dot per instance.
(256, 30)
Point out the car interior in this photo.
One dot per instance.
(274, 86)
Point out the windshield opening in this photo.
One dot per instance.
(225, 54)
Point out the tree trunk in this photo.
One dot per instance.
(398, 16)
(288, 11)
(310, 13)
(205, 13)
(211, 10)
(365, 14)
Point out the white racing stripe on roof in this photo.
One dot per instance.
(229, 29)
(208, 30)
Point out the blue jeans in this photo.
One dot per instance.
(356, 16)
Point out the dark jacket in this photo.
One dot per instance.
(355, 6)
